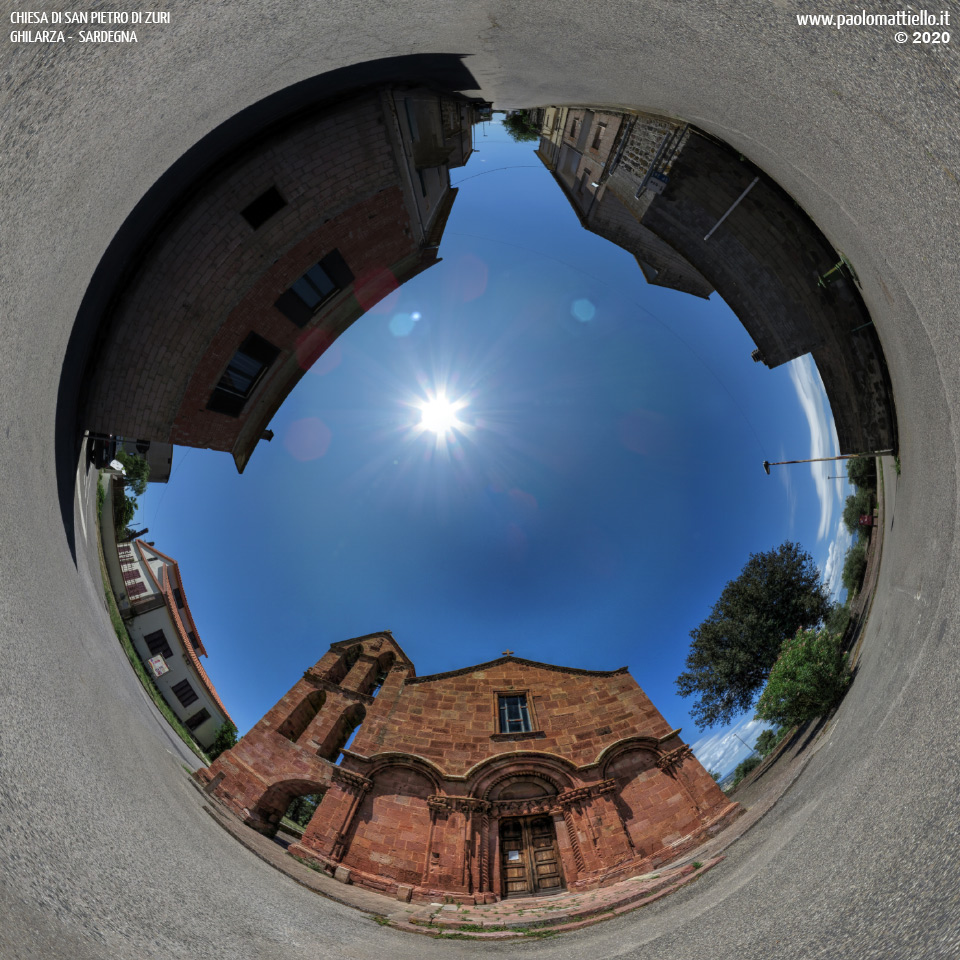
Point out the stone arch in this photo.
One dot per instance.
(299, 718)
(485, 775)
(266, 814)
(377, 678)
(523, 785)
(338, 734)
(655, 809)
(384, 761)
(610, 754)
(342, 667)
(398, 801)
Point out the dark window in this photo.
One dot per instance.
(514, 716)
(157, 643)
(198, 718)
(321, 282)
(178, 597)
(601, 129)
(193, 639)
(185, 693)
(263, 208)
(242, 374)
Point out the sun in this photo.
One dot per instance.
(439, 415)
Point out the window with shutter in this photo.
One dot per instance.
(185, 693)
(308, 294)
(243, 373)
(198, 718)
(157, 643)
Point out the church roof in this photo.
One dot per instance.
(386, 634)
(520, 660)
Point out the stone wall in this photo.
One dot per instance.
(417, 805)
(211, 277)
(451, 719)
(765, 260)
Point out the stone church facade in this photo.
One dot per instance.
(508, 778)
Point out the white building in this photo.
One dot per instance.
(151, 598)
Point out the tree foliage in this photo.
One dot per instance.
(857, 504)
(809, 678)
(744, 767)
(301, 809)
(124, 508)
(776, 594)
(766, 742)
(862, 472)
(854, 568)
(521, 127)
(226, 737)
(137, 471)
(837, 619)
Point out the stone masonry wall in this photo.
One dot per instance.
(208, 265)
(415, 806)
(765, 260)
(452, 720)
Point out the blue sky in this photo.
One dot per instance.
(605, 483)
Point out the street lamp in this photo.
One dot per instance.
(843, 456)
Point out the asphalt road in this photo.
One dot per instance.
(104, 850)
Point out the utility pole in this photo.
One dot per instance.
(843, 456)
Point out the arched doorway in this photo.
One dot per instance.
(265, 817)
(529, 857)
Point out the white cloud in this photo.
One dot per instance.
(833, 568)
(723, 751)
(785, 479)
(823, 437)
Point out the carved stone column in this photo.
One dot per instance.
(672, 764)
(598, 836)
(584, 837)
(454, 849)
(475, 817)
(327, 831)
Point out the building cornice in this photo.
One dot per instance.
(518, 660)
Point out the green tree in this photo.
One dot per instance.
(857, 504)
(862, 472)
(809, 678)
(137, 471)
(521, 127)
(124, 508)
(837, 619)
(744, 767)
(301, 809)
(716, 775)
(226, 737)
(766, 742)
(776, 594)
(854, 568)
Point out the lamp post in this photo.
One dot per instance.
(843, 456)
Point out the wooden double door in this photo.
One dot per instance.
(529, 859)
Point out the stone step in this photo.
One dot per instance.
(499, 921)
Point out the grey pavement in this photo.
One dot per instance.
(103, 853)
